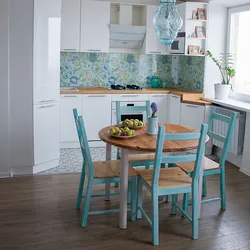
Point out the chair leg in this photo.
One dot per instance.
(204, 186)
(195, 214)
(185, 203)
(130, 183)
(86, 204)
(168, 198)
(174, 201)
(155, 220)
(80, 189)
(139, 197)
(223, 190)
(133, 198)
(118, 157)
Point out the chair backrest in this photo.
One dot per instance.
(224, 139)
(180, 157)
(83, 140)
(120, 109)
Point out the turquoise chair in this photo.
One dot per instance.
(137, 159)
(172, 181)
(99, 173)
(210, 167)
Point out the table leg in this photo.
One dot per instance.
(108, 158)
(123, 189)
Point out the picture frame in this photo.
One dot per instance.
(193, 50)
(194, 15)
(201, 14)
(200, 31)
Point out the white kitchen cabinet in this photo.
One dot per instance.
(192, 115)
(174, 109)
(96, 112)
(95, 20)
(162, 102)
(152, 44)
(46, 51)
(70, 25)
(46, 133)
(68, 132)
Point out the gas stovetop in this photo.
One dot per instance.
(127, 87)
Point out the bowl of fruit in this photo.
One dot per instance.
(122, 133)
(133, 124)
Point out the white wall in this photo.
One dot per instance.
(4, 90)
(216, 43)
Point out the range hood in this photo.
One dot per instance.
(124, 34)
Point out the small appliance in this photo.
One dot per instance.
(178, 45)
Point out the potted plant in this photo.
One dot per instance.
(225, 65)
(152, 127)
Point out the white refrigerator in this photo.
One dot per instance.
(35, 32)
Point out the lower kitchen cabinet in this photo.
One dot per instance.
(68, 132)
(96, 112)
(174, 109)
(162, 102)
(192, 115)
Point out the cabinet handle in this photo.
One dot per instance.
(97, 95)
(94, 50)
(69, 49)
(191, 106)
(47, 106)
(129, 95)
(47, 101)
(158, 96)
(174, 96)
(70, 96)
(154, 52)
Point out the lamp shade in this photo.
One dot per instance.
(167, 21)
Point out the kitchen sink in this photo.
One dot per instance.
(69, 88)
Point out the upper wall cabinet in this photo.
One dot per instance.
(95, 19)
(152, 44)
(70, 34)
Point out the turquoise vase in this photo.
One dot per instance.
(152, 126)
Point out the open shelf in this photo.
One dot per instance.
(196, 20)
(199, 38)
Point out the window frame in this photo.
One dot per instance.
(231, 11)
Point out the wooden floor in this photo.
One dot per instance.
(39, 213)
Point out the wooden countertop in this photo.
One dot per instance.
(186, 96)
(107, 91)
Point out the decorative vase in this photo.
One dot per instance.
(221, 91)
(152, 126)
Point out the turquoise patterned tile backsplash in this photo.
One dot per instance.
(102, 70)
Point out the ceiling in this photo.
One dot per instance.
(228, 3)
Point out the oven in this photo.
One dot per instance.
(140, 115)
(178, 45)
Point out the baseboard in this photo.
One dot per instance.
(244, 171)
(5, 175)
(31, 170)
(92, 144)
(45, 166)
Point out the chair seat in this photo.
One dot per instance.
(141, 157)
(109, 169)
(208, 164)
(169, 177)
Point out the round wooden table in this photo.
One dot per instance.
(145, 142)
(139, 144)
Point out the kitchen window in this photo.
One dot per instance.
(239, 46)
